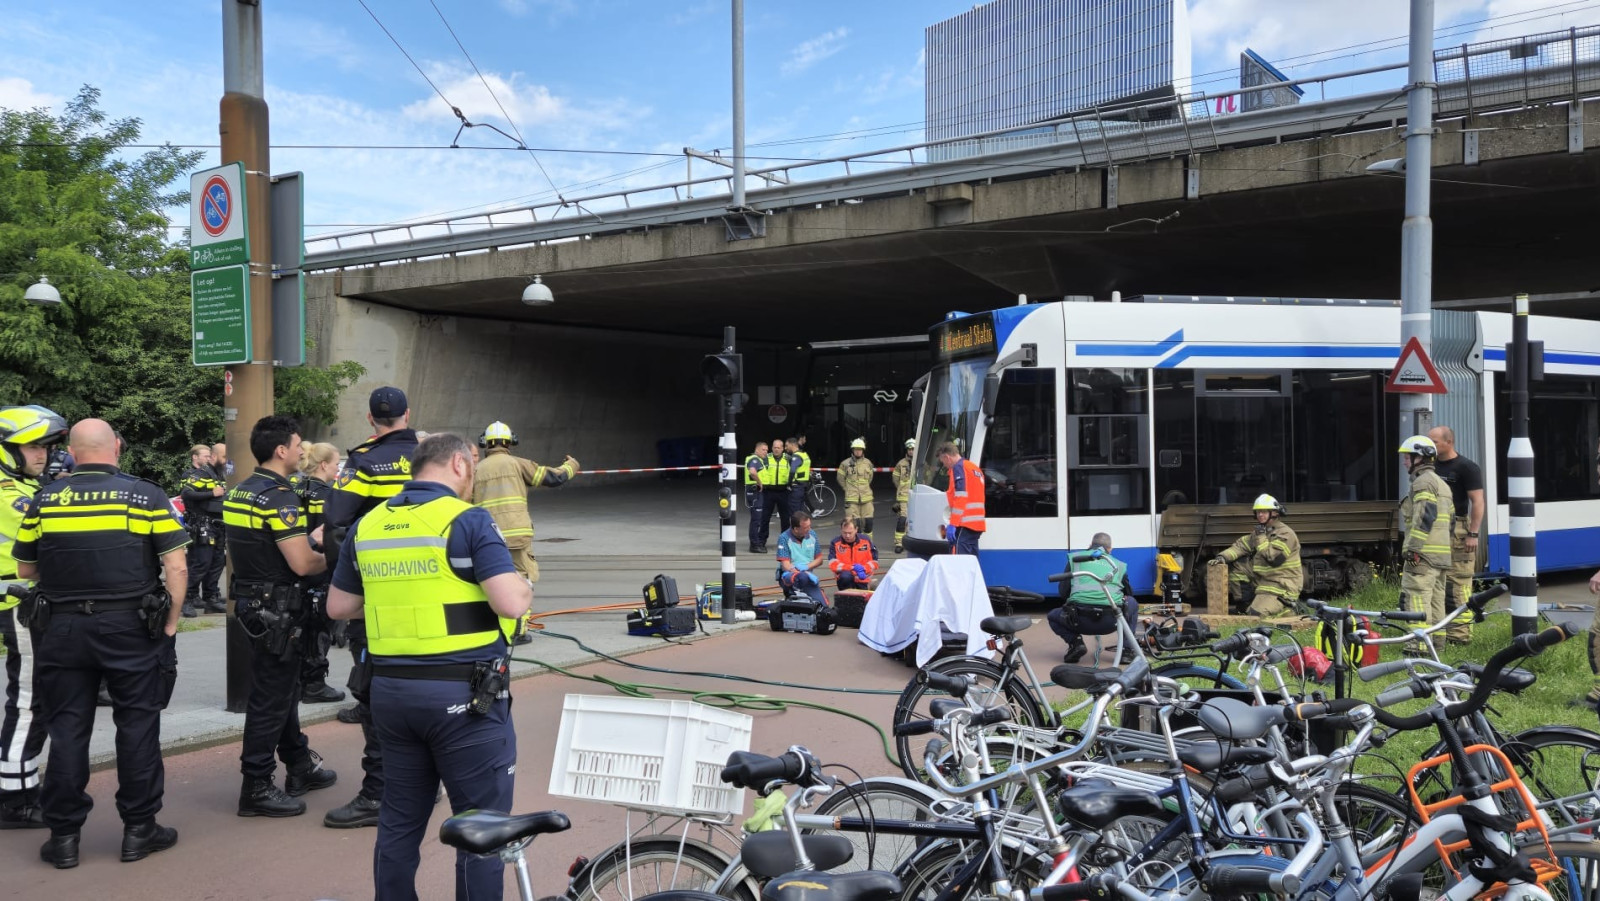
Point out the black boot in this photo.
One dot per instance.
(189, 612)
(361, 811)
(24, 814)
(145, 839)
(353, 714)
(216, 605)
(308, 775)
(320, 693)
(60, 850)
(1075, 652)
(263, 798)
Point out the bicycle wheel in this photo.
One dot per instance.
(933, 870)
(882, 799)
(1196, 673)
(992, 684)
(822, 501)
(1557, 763)
(1580, 867)
(652, 865)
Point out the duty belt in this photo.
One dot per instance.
(443, 672)
(95, 606)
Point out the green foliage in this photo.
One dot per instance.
(76, 206)
(310, 394)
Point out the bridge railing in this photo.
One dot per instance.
(1473, 79)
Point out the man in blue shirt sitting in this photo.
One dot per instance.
(798, 558)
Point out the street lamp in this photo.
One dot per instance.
(538, 294)
(1388, 167)
(44, 294)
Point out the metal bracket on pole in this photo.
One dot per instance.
(771, 178)
(1111, 187)
(742, 225)
(1469, 147)
(1191, 180)
(1575, 127)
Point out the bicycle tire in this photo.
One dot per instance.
(887, 798)
(652, 866)
(987, 677)
(1581, 863)
(1194, 671)
(927, 873)
(1557, 762)
(822, 500)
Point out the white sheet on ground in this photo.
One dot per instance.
(911, 605)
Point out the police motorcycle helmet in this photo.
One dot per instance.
(498, 432)
(30, 424)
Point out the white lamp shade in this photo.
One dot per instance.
(46, 294)
(537, 294)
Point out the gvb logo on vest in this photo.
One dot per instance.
(398, 569)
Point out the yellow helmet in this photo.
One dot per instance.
(1420, 445)
(859, 442)
(499, 432)
(1267, 502)
(27, 425)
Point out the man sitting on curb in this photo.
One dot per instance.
(798, 558)
(852, 557)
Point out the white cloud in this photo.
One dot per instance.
(557, 8)
(1279, 30)
(20, 94)
(809, 53)
(532, 107)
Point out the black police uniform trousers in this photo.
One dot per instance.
(205, 558)
(77, 650)
(755, 500)
(428, 737)
(272, 713)
(779, 500)
(316, 637)
(22, 730)
(371, 752)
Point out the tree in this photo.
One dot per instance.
(79, 208)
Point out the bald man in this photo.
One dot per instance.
(104, 614)
(1465, 479)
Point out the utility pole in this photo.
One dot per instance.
(724, 378)
(243, 126)
(1522, 357)
(1416, 234)
(738, 105)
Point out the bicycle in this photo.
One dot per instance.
(821, 499)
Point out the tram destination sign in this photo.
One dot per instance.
(969, 336)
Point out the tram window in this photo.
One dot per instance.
(1175, 438)
(1107, 492)
(1108, 458)
(1336, 436)
(1263, 383)
(1563, 426)
(1105, 391)
(1019, 451)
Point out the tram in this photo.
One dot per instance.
(1159, 419)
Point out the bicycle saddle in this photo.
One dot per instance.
(1083, 678)
(805, 885)
(1005, 625)
(1211, 756)
(1513, 680)
(1233, 720)
(769, 854)
(1096, 803)
(486, 831)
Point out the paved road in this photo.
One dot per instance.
(220, 855)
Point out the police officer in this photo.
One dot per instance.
(441, 598)
(319, 466)
(799, 476)
(904, 478)
(777, 485)
(1465, 479)
(201, 492)
(855, 481)
(1425, 524)
(102, 613)
(755, 498)
(26, 437)
(376, 471)
(1264, 574)
(222, 472)
(272, 561)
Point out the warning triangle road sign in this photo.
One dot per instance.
(1414, 372)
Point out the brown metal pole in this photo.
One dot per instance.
(244, 134)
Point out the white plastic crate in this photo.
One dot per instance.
(648, 753)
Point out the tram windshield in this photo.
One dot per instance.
(951, 405)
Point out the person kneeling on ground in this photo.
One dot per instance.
(852, 557)
(1089, 605)
(1264, 575)
(798, 557)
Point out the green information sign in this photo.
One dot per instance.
(220, 316)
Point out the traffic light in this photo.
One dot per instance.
(723, 373)
(725, 503)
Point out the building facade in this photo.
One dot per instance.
(1014, 63)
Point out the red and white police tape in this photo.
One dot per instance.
(709, 466)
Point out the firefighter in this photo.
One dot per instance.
(855, 482)
(852, 557)
(903, 478)
(501, 487)
(1264, 574)
(1425, 517)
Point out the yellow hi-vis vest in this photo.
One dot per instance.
(415, 605)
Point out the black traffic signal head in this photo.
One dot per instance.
(723, 373)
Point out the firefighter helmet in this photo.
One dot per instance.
(1269, 503)
(499, 433)
(859, 442)
(1421, 445)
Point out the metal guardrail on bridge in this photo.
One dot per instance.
(1473, 79)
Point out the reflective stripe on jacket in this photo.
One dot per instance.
(415, 605)
(965, 496)
(902, 480)
(501, 487)
(1426, 531)
(1273, 551)
(855, 479)
(843, 555)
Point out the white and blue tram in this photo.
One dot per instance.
(1104, 417)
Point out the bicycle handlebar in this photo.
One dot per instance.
(749, 770)
(1098, 887)
(953, 685)
(1231, 882)
(1528, 645)
(986, 717)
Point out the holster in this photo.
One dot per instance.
(271, 615)
(360, 681)
(200, 528)
(28, 604)
(155, 607)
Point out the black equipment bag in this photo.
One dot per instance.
(661, 593)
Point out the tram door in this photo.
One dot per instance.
(1242, 420)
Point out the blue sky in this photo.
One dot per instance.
(825, 77)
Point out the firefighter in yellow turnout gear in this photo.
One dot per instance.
(855, 481)
(1264, 573)
(1425, 517)
(903, 478)
(501, 487)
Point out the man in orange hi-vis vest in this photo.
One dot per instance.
(964, 494)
